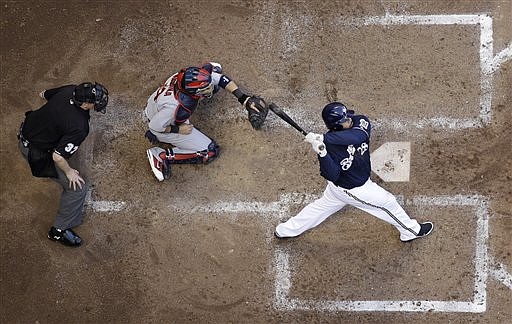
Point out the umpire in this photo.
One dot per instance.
(49, 136)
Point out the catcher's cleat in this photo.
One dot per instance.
(156, 163)
(66, 237)
(425, 229)
(166, 169)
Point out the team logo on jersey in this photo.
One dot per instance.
(363, 124)
(71, 148)
(346, 163)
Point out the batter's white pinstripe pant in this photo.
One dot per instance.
(369, 197)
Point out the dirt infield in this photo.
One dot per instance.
(199, 248)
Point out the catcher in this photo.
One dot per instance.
(168, 111)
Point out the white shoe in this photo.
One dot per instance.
(155, 162)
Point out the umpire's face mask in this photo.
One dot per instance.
(101, 101)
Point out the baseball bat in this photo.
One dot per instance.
(284, 116)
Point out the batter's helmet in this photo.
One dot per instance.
(195, 81)
(335, 114)
(95, 93)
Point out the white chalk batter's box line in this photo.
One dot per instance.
(479, 204)
(488, 63)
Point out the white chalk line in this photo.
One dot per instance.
(477, 305)
(488, 64)
(499, 272)
(283, 286)
(486, 61)
(269, 210)
(500, 58)
(103, 206)
(390, 19)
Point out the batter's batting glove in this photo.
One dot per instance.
(151, 137)
(311, 137)
(319, 148)
(257, 110)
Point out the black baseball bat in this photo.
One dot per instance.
(284, 116)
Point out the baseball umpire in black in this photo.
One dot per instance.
(49, 136)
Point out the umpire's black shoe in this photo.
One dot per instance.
(425, 229)
(66, 237)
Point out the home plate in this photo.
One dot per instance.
(392, 161)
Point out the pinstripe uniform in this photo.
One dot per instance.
(347, 168)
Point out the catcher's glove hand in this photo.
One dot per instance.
(257, 109)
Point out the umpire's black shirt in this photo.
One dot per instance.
(59, 125)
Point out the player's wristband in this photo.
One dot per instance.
(242, 97)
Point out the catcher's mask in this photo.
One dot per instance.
(195, 81)
(335, 114)
(94, 93)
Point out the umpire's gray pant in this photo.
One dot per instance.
(71, 207)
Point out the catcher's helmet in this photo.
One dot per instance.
(94, 93)
(195, 81)
(335, 114)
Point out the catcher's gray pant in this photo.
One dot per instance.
(70, 212)
(191, 143)
(369, 197)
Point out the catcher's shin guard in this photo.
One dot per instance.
(176, 157)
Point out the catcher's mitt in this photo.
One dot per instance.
(257, 110)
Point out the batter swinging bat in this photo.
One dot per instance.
(284, 116)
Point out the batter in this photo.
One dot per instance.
(344, 156)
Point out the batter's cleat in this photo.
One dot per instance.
(66, 237)
(282, 238)
(425, 229)
(156, 163)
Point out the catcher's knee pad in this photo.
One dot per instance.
(204, 156)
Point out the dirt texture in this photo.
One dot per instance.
(168, 255)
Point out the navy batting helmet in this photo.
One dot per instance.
(195, 81)
(335, 114)
(94, 93)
